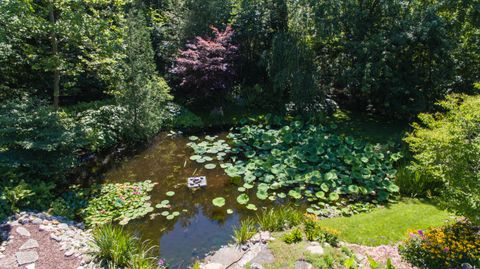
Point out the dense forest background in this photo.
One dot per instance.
(82, 76)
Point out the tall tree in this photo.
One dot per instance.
(55, 47)
(143, 93)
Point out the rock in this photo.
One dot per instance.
(56, 238)
(37, 221)
(31, 243)
(226, 256)
(30, 266)
(62, 226)
(303, 265)
(69, 253)
(256, 266)
(315, 250)
(265, 256)
(26, 257)
(22, 231)
(466, 266)
(214, 266)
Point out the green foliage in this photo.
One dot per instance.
(71, 202)
(183, 119)
(414, 184)
(74, 44)
(119, 202)
(292, 70)
(36, 142)
(115, 247)
(294, 236)
(315, 232)
(444, 247)
(279, 218)
(245, 231)
(13, 195)
(446, 148)
(143, 93)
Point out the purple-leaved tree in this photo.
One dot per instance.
(205, 66)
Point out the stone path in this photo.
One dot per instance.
(40, 241)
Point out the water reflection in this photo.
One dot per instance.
(201, 227)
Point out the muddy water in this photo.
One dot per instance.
(201, 227)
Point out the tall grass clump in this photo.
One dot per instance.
(116, 247)
(245, 231)
(278, 219)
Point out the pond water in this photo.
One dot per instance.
(201, 226)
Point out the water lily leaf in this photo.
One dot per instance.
(324, 187)
(170, 217)
(333, 196)
(165, 213)
(170, 193)
(241, 189)
(320, 194)
(295, 194)
(210, 166)
(201, 160)
(353, 189)
(219, 201)
(247, 186)
(393, 188)
(281, 195)
(175, 213)
(262, 194)
(252, 207)
(243, 199)
(331, 175)
(229, 211)
(195, 157)
(193, 138)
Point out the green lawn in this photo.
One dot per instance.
(388, 225)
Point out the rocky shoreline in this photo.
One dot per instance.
(63, 236)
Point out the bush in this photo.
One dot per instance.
(116, 247)
(314, 231)
(446, 148)
(182, 118)
(37, 142)
(445, 247)
(294, 236)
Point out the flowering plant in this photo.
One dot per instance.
(443, 247)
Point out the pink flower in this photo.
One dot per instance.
(420, 232)
(446, 249)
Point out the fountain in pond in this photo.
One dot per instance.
(196, 182)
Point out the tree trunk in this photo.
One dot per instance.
(56, 71)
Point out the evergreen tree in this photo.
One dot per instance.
(143, 93)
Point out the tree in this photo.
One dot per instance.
(446, 148)
(143, 93)
(55, 48)
(205, 67)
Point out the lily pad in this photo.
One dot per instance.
(193, 138)
(210, 166)
(170, 193)
(219, 201)
(229, 211)
(243, 199)
(252, 207)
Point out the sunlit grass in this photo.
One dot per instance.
(387, 225)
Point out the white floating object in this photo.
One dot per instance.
(196, 182)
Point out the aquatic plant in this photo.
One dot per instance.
(119, 202)
(278, 219)
(218, 201)
(245, 231)
(116, 247)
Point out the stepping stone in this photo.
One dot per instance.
(22, 231)
(31, 243)
(30, 266)
(26, 257)
(265, 256)
(315, 250)
(214, 266)
(302, 265)
(226, 256)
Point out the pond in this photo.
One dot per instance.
(201, 226)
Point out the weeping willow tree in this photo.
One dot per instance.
(292, 71)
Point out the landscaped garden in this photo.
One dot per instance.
(239, 134)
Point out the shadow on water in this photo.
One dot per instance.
(201, 227)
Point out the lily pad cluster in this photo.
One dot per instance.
(119, 202)
(310, 161)
(209, 151)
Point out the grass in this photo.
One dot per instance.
(277, 219)
(287, 254)
(244, 232)
(387, 225)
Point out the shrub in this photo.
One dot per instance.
(246, 230)
(116, 247)
(314, 231)
(446, 148)
(444, 247)
(37, 142)
(294, 236)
